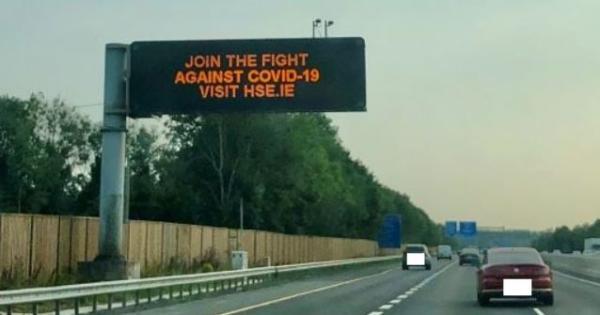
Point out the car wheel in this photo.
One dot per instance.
(548, 299)
(404, 267)
(483, 300)
(428, 267)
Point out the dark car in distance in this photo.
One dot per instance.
(469, 256)
(520, 264)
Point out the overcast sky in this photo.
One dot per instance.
(483, 110)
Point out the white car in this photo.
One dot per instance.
(416, 255)
(444, 252)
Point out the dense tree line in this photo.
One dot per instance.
(565, 239)
(291, 171)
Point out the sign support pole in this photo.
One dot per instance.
(112, 178)
(110, 264)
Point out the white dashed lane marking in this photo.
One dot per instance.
(415, 289)
(537, 311)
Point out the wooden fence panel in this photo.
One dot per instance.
(293, 249)
(64, 245)
(261, 251)
(91, 239)
(15, 243)
(305, 243)
(207, 239)
(325, 247)
(285, 249)
(44, 247)
(169, 243)
(247, 243)
(290, 252)
(298, 248)
(78, 240)
(221, 245)
(272, 247)
(154, 244)
(137, 243)
(269, 246)
(125, 240)
(184, 232)
(318, 248)
(279, 248)
(38, 244)
(196, 243)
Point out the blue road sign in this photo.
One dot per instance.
(390, 232)
(450, 229)
(468, 228)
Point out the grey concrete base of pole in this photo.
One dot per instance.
(110, 264)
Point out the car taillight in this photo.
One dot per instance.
(542, 271)
(490, 282)
(492, 271)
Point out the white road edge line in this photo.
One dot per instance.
(293, 296)
(537, 311)
(562, 274)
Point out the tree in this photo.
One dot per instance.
(291, 170)
(142, 154)
(565, 239)
(45, 154)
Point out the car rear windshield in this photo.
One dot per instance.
(414, 249)
(514, 257)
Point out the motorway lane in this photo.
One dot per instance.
(388, 290)
(454, 292)
(355, 292)
(356, 298)
(573, 296)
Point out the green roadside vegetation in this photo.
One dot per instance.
(566, 239)
(291, 170)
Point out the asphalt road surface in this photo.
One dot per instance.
(387, 290)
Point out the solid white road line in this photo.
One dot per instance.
(537, 311)
(576, 278)
(293, 296)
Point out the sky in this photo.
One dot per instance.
(478, 110)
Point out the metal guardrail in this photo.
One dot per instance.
(584, 266)
(192, 284)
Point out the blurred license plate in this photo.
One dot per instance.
(415, 259)
(516, 287)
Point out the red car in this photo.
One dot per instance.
(515, 272)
